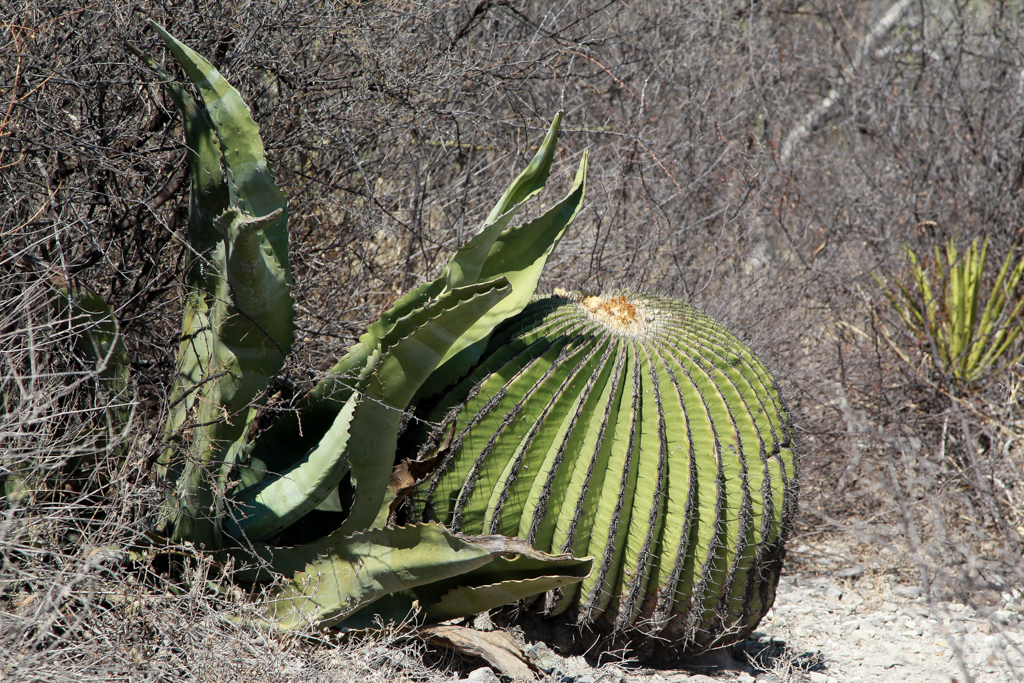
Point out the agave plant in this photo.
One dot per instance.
(941, 307)
(235, 493)
(635, 429)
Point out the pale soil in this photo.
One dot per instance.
(868, 617)
(848, 614)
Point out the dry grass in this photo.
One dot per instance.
(391, 126)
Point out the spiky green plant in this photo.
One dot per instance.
(231, 492)
(941, 306)
(635, 429)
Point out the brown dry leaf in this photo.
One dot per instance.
(405, 476)
(507, 546)
(496, 648)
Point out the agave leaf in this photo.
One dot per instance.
(467, 600)
(504, 580)
(250, 182)
(464, 268)
(282, 444)
(209, 195)
(352, 581)
(518, 254)
(100, 342)
(275, 503)
(401, 372)
(208, 200)
(250, 241)
(500, 582)
(364, 435)
(362, 568)
(238, 321)
(285, 442)
(99, 339)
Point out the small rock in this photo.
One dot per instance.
(482, 622)
(863, 634)
(768, 678)
(850, 572)
(1002, 616)
(818, 677)
(542, 656)
(828, 590)
(909, 592)
(994, 642)
(482, 675)
(852, 598)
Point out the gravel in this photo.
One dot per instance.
(844, 623)
(870, 625)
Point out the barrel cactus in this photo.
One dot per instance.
(634, 429)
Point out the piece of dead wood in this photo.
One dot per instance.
(497, 648)
(814, 118)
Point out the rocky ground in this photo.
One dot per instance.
(867, 620)
(841, 616)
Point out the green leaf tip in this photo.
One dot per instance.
(250, 183)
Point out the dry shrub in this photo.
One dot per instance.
(390, 126)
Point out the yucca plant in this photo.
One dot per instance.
(243, 495)
(635, 429)
(942, 307)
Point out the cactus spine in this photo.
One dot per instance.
(634, 429)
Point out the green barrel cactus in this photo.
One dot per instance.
(634, 429)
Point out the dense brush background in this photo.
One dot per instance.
(393, 127)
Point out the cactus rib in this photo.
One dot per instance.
(634, 429)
